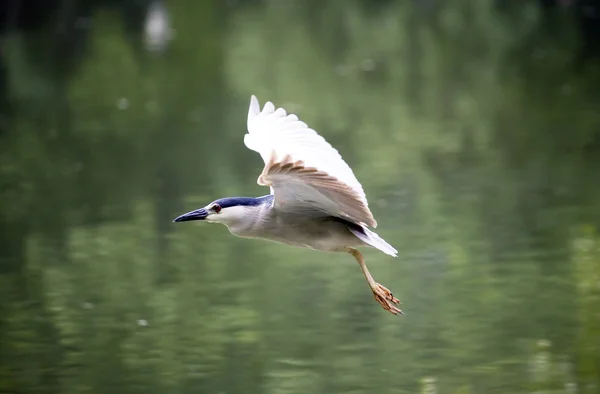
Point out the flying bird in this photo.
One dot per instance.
(315, 201)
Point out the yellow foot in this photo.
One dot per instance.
(386, 299)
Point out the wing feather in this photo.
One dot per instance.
(295, 183)
(301, 167)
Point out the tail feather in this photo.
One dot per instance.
(374, 240)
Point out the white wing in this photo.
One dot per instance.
(301, 167)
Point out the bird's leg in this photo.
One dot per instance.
(381, 293)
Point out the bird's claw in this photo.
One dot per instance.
(386, 299)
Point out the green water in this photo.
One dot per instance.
(473, 133)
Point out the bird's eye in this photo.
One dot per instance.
(216, 208)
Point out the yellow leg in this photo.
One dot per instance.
(381, 293)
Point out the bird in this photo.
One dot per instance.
(315, 200)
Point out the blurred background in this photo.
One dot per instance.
(473, 125)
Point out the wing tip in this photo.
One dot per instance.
(254, 108)
(371, 222)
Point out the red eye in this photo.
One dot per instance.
(216, 208)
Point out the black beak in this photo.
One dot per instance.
(198, 214)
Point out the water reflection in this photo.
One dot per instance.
(457, 134)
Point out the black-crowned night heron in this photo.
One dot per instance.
(315, 202)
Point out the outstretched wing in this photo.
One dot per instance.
(303, 170)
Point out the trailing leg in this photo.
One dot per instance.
(380, 292)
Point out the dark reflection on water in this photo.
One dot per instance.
(476, 141)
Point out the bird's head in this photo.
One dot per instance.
(228, 211)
